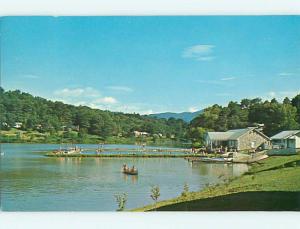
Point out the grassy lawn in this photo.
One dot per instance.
(242, 201)
(276, 179)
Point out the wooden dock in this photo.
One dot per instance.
(120, 155)
(239, 158)
(135, 150)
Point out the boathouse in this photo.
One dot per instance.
(250, 138)
(288, 141)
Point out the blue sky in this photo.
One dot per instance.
(151, 64)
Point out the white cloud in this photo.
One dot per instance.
(193, 109)
(66, 92)
(105, 100)
(272, 94)
(289, 93)
(92, 98)
(205, 58)
(279, 95)
(120, 88)
(220, 82)
(228, 78)
(285, 74)
(77, 92)
(126, 108)
(30, 76)
(199, 52)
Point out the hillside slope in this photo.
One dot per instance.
(185, 116)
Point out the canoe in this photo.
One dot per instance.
(130, 172)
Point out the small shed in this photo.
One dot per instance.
(289, 139)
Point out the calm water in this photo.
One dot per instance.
(30, 181)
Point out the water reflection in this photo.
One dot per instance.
(133, 179)
(219, 169)
(32, 182)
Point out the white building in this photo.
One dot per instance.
(250, 138)
(138, 133)
(18, 125)
(287, 140)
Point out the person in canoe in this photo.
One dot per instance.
(125, 167)
(133, 169)
(129, 171)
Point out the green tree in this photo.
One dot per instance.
(121, 200)
(185, 190)
(296, 103)
(155, 194)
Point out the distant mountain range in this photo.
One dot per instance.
(186, 116)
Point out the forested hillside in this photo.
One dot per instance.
(80, 122)
(274, 115)
(45, 116)
(186, 116)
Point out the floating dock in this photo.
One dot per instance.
(123, 155)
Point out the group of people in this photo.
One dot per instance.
(126, 168)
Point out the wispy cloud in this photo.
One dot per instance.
(193, 109)
(272, 94)
(142, 109)
(91, 97)
(199, 52)
(106, 100)
(289, 93)
(220, 82)
(284, 74)
(30, 76)
(228, 78)
(120, 88)
(77, 92)
(88, 96)
(280, 94)
(205, 58)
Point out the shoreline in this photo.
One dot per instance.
(173, 146)
(120, 155)
(260, 178)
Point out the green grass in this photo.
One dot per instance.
(275, 174)
(242, 201)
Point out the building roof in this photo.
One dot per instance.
(231, 134)
(219, 136)
(235, 134)
(285, 134)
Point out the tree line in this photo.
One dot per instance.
(39, 114)
(276, 116)
(45, 116)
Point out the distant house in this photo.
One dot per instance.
(18, 125)
(249, 138)
(139, 134)
(38, 126)
(287, 140)
(5, 124)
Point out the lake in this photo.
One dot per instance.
(29, 181)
